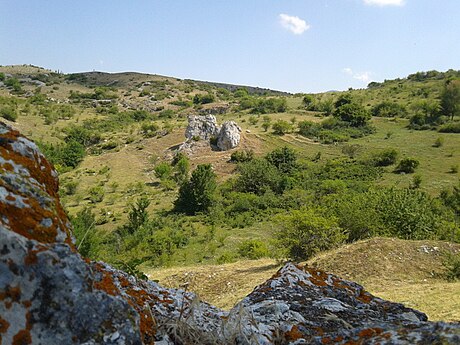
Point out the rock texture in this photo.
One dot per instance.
(49, 294)
(202, 127)
(229, 136)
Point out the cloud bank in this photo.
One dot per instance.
(385, 2)
(293, 24)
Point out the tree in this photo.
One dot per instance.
(355, 114)
(343, 99)
(450, 99)
(284, 159)
(257, 176)
(197, 194)
(84, 228)
(305, 232)
(138, 215)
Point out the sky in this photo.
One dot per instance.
(288, 45)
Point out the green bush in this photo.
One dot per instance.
(451, 127)
(354, 114)
(253, 249)
(204, 99)
(384, 158)
(96, 194)
(281, 127)
(257, 176)
(451, 265)
(84, 228)
(304, 233)
(284, 159)
(8, 113)
(163, 171)
(389, 109)
(407, 165)
(242, 156)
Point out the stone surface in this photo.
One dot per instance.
(229, 136)
(50, 295)
(202, 127)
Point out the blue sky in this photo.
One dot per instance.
(291, 45)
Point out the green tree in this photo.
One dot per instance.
(284, 159)
(138, 215)
(257, 176)
(450, 99)
(84, 230)
(354, 114)
(305, 232)
(197, 194)
(72, 154)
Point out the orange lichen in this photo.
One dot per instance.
(317, 277)
(294, 334)
(4, 325)
(370, 332)
(22, 338)
(31, 257)
(364, 296)
(12, 293)
(107, 284)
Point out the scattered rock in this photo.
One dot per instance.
(229, 136)
(49, 294)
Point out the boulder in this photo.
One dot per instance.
(202, 127)
(50, 295)
(229, 136)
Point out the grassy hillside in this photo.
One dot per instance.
(107, 134)
(409, 272)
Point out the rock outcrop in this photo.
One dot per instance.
(202, 127)
(206, 127)
(229, 136)
(49, 294)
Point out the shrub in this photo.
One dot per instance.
(269, 105)
(284, 159)
(257, 176)
(407, 165)
(253, 249)
(14, 84)
(438, 142)
(281, 127)
(451, 264)
(163, 171)
(305, 232)
(149, 129)
(389, 109)
(137, 215)
(84, 230)
(451, 127)
(8, 113)
(71, 154)
(242, 156)
(384, 158)
(203, 99)
(96, 194)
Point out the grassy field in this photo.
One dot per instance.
(409, 272)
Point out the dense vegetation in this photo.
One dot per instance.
(314, 183)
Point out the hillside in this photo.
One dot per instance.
(113, 138)
(408, 272)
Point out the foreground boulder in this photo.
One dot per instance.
(49, 294)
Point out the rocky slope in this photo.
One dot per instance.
(49, 294)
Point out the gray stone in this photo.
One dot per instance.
(202, 127)
(229, 136)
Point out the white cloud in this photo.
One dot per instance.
(294, 24)
(385, 2)
(365, 77)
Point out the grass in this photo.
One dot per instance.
(408, 272)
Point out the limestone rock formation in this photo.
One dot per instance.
(50, 295)
(202, 127)
(229, 136)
